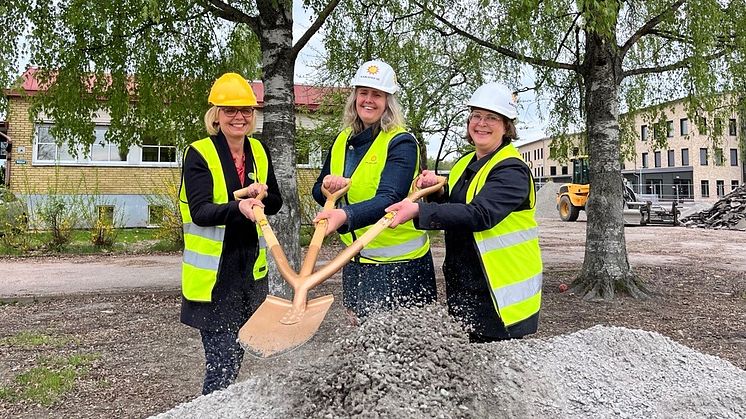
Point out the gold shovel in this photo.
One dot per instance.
(279, 325)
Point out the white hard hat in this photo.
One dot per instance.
(494, 97)
(376, 74)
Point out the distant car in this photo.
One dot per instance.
(13, 213)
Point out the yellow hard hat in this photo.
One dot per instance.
(232, 90)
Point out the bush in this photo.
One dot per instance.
(60, 218)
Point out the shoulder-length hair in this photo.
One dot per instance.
(392, 117)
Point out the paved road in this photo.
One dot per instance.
(562, 244)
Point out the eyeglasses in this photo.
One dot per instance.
(232, 112)
(488, 118)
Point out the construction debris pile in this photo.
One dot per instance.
(419, 364)
(727, 213)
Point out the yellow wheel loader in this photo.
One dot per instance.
(572, 197)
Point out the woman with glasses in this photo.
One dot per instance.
(492, 267)
(224, 267)
(380, 158)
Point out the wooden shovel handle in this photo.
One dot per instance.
(355, 247)
(312, 254)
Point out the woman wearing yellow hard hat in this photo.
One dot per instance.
(224, 266)
(493, 267)
(381, 159)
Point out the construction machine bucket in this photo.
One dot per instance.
(265, 335)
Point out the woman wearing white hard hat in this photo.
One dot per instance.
(380, 158)
(492, 268)
(224, 268)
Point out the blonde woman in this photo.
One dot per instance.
(381, 159)
(224, 268)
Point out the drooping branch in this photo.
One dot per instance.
(673, 66)
(501, 50)
(231, 14)
(315, 26)
(650, 25)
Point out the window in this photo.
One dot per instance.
(705, 186)
(552, 170)
(155, 215)
(155, 151)
(669, 129)
(734, 157)
(684, 126)
(685, 157)
(575, 151)
(671, 158)
(47, 148)
(720, 186)
(719, 157)
(541, 153)
(644, 133)
(105, 214)
(733, 185)
(102, 150)
(564, 170)
(644, 159)
(732, 127)
(703, 157)
(657, 156)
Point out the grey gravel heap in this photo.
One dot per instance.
(419, 364)
(727, 213)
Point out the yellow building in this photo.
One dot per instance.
(125, 184)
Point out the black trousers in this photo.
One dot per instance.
(223, 357)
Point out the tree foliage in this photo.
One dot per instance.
(595, 58)
(437, 71)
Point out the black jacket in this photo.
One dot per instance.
(236, 294)
(467, 288)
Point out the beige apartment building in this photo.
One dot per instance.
(690, 168)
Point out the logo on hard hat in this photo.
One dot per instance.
(373, 69)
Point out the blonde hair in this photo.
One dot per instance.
(510, 131)
(212, 126)
(392, 117)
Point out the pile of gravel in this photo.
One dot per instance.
(419, 364)
(546, 201)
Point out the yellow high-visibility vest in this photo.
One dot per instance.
(203, 246)
(509, 251)
(391, 245)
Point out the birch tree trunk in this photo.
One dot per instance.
(278, 133)
(606, 268)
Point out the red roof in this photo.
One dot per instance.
(305, 95)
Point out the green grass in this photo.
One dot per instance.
(142, 240)
(49, 381)
(30, 339)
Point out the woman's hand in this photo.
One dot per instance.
(334, 183)
(246, 205)
(256, 189)
(335, 218)
(405, 211)
(427, 179)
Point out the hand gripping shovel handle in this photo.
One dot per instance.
(273, 246)
(355, 247)
(312, 253)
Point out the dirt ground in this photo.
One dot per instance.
(145, 362)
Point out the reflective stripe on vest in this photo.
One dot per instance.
(203, 246)
(404, 242)
(509, 251)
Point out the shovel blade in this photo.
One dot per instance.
(264, 336)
